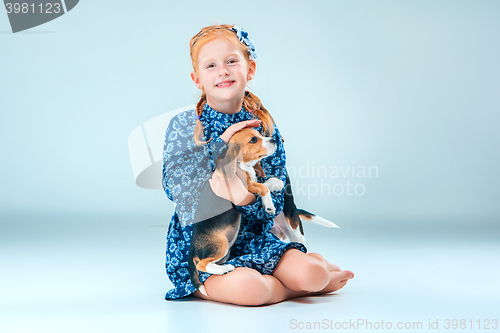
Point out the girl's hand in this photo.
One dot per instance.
(238, 193)
(226, 136)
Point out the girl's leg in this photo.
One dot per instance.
(309, 272)
(246, 286)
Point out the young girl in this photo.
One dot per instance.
(267, 269)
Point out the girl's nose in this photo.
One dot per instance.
(223, 71)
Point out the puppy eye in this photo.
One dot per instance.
(253, 140)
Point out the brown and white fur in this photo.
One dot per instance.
(249, 148)
(217, 221)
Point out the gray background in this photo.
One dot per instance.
(410, 87)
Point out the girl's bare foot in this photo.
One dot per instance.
(338, 277)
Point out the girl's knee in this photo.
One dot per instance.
(250, 288)
(317, 256)
(313, 275)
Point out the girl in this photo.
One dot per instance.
(267, 269)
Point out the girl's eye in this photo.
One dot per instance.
(210, 66)
(253, 140)
(231, 61)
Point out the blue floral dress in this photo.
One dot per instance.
(186, 168)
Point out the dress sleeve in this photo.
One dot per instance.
(273, 166)
(186, 166)
(216, 147)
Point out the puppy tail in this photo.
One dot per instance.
(315, 219)
(194, 274)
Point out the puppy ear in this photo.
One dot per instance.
(228, 161)
(258, 170)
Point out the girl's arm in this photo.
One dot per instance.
(185, 165)
(231, 189)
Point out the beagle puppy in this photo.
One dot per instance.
(247, 147)
(217, 221)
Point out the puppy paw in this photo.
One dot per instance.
(274, 184)
(219, 269)
(267, 202)
(228, 268)
(271, 210)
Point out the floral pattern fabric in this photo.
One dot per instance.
(186, 168)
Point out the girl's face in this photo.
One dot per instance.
(223, 72)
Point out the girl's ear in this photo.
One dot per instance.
(251, 70)
(196, 80)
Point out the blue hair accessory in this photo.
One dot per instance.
(243, 37)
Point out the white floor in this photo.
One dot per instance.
(106, 274)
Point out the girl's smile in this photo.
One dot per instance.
(224, 84)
